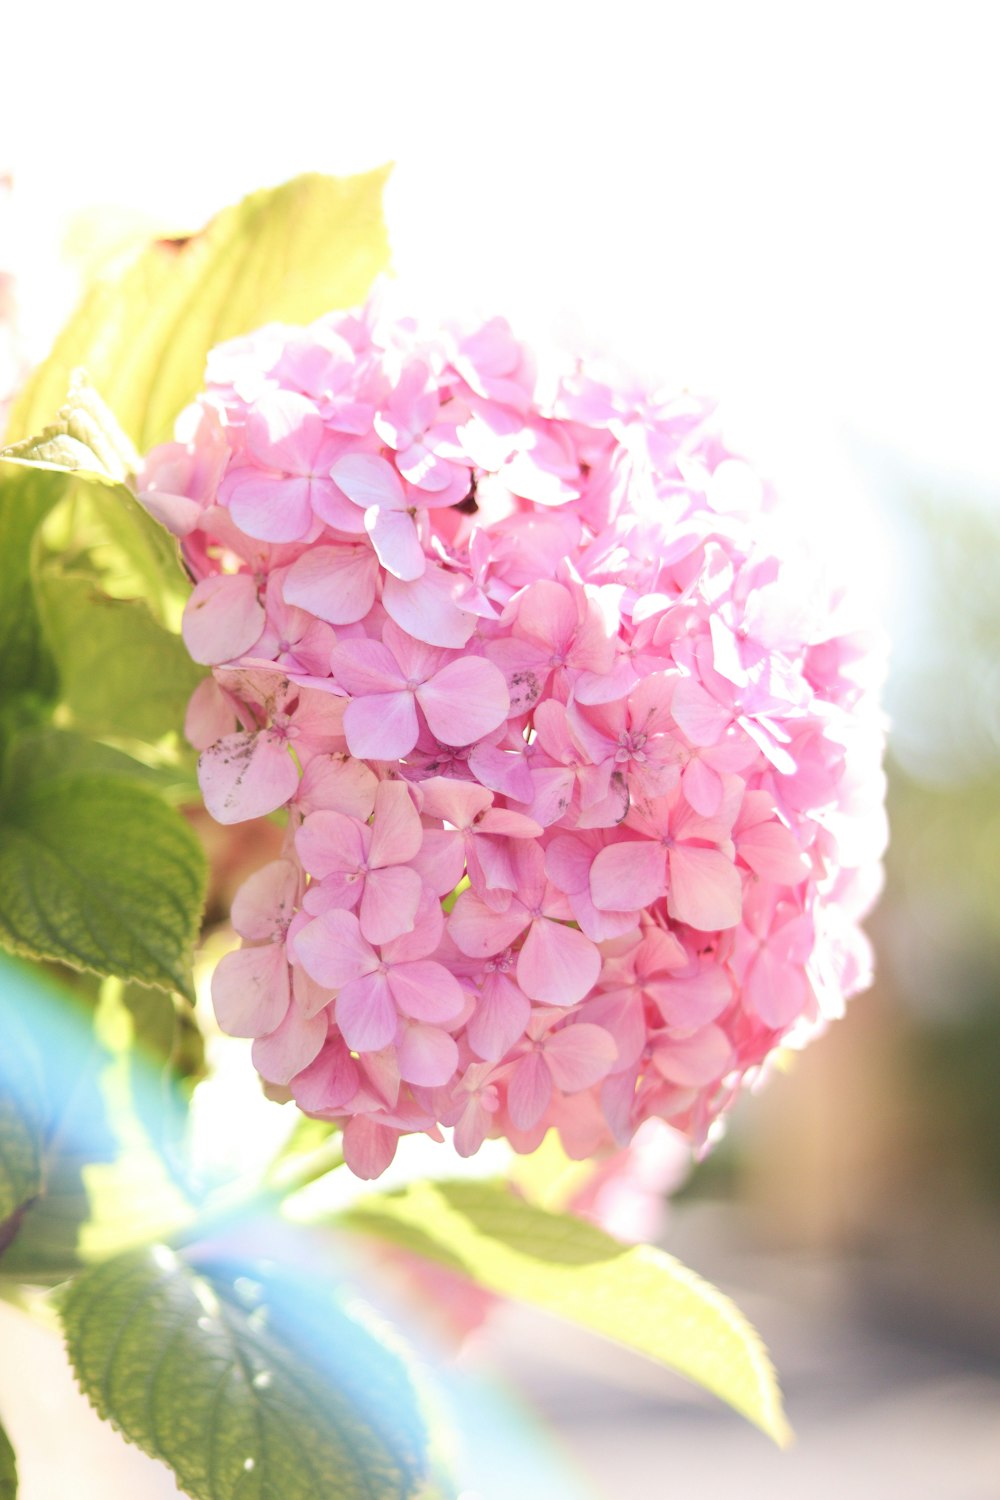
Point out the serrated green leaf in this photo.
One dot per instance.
(252, 1384)
(285, 254)
(84, 437)
(8, 1468)
(99, 873)
(123, 676)
(636, 1295)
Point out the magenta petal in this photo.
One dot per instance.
(332, 950)
(250, 990)
(427, 1055)
(705, 888)
(579, 1055)
(366, 1013)
(389, 903)
(223, 618)
(279, 1056)
(381, 726)
(394, 537)
(628, 876)
(335, 583)
(464, 700)
(244, 776)
(557, 964)
(529, 1091)
(426, 991)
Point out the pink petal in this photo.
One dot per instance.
(268, 506)
(250, 990)
(777, 992)
(694, 1001)
(368, 480)
(702, 787)
(464, 701)
(773, 852)
(696, 1060)
(628, 876)
(705, 888)
(396, 830)
(426, 991)
(244, 776)
(427, 1055)
(368, 1147)
(223, 618)
(329, 1082)
(702, 718)
(363, 666)
(328, 842)
(579, 1055)
(529, 1091)
(265, 903)
(335, 583)
(389, 903)
(428, 929)
(284, 431)
(441, 861)
(480, 931)
(557, 964)
(382, 726)
(425, 607)
(279, 1056)
(210, 715)
(454, 802)
(338, 783)
(499, 1019)
(366, 1013)
(332, 950)
(394, 537)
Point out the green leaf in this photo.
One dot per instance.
(27, 667)
(41, 753)
(8, 1468)
(123, 676)
(285, 254)
(85, 442)
(250, 1382)
(99, 873)
(636, 1295)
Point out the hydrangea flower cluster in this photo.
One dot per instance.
(581, 760)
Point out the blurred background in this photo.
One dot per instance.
(793, 207)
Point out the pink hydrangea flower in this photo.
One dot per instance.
(582, 775)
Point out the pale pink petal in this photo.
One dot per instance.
(368, 1147)
(338, 783)
(265, 903)
(381, 726)
(427, 1055)
(428, 929)
(702, 787)
(329, 841)
(396, 830)
(693, 1001)
(332, 950)
(335, 583)
(480, 931)
(464, 701)
(363, 666)
(499, 1019)
(269, 507)
(210, 715)
(389, 903)
(777, 992)
(426, 991)
(702, 718)
(250, 990)
(557, 964)
(696, 1060)
(426, 607)
(579, 1056)
(282, 1054)
(455, 802)
(396, 542)
(368, 480)
(773, 852)
(244, 776)
(329, 1082)
(366, 1013)
(628, 876)
(529, 1091)
(223, 618)
(441, 861)
(705, 888)
(284, 431)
